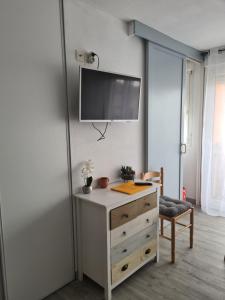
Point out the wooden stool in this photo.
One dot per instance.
(157, 176)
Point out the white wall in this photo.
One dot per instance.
(192, 159)
(93, 30)
(34, 192)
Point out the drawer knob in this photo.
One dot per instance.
(147, 220)
(124, 268)
(148, 236)
(147, 204)
(125, 216)
(124, 250)
(124, 233)
(147, 251)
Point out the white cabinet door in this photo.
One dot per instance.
(36, 206)
(2, 277)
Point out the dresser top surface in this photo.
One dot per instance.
(111, 199)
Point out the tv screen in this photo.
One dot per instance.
(106, 97)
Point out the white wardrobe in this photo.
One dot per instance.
(34, 186)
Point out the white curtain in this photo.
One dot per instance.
(213, 159)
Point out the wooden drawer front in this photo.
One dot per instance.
(125, 248)
(148, 250)
(125, 266)
(149, 218)
(122, 233)
(123, 214)
(146, 203)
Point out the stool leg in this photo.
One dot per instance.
(162, 231)
(192, 227)
(173, 240)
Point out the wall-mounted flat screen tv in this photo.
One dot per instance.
(108, 97)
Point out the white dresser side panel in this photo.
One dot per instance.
(94, 241)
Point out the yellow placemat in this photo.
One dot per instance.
(129, 188)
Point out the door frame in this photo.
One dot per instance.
(183, 91)
(199, 128)
(200, 68)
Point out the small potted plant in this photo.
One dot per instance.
(86, 172)
(127, 173)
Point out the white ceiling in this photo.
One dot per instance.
(198, 23)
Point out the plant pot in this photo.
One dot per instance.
(86, 189)
(127, 177)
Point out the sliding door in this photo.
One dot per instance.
(34, 186)
(164, 97)
(2, 295)
(1, 284)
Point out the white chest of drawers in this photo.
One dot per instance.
(117, 234)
